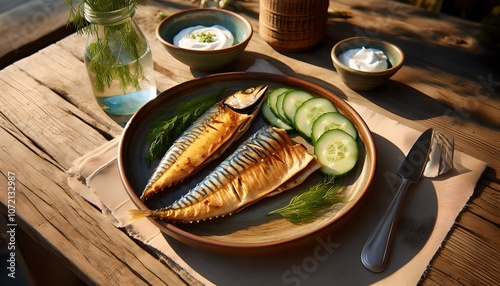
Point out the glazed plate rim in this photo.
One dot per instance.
(178, 231)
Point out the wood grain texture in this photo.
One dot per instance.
(54, 216)
(48, 118)
(61, 221)
(467, 255)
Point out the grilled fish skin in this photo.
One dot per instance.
(267, 163)
(207, 138)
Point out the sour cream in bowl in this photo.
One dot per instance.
(364, 59)
(205, 39)
(365, 63)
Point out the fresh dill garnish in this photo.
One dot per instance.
(309, 205)
(177, 119)
(202, 37)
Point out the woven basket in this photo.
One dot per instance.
(293, 25)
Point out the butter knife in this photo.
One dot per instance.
(375, 252)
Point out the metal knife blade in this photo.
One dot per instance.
(375, 252)
(413, 165)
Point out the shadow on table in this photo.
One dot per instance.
(393, 96)
(333, 256)
(405, 101)
(258, 62)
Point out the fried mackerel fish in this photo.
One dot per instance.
(267, 164)
(207, 138)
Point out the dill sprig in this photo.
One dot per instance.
(114, 45)
(107, 53)
(177, 119)
(309, 205)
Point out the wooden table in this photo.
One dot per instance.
(48, 119)
(27, 26)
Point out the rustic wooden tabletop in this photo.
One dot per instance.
(49, 118)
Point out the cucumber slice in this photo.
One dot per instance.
(272, 98)
(332, 120)
(337, 152)
(292, 100)
(272, 119)
(308, 112)
(279, 108)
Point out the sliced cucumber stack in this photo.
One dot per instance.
(272, 119)
(279, 108)
(308, 112)
(275, 101)
(272, 98)
(292, 100)
(332, 120)
(337, 152)
(316, 119)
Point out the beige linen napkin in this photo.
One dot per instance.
(429, 211)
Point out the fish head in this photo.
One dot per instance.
(247, 100)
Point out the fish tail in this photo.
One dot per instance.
(135, 215)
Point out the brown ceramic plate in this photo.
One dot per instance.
(251, 229)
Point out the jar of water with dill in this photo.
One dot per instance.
(118, 60)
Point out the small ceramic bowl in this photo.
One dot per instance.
(366, 80)
(205, 60)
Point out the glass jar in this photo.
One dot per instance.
(119, 62)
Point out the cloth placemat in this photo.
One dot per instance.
(429, 211)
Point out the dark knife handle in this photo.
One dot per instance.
(374, 255)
